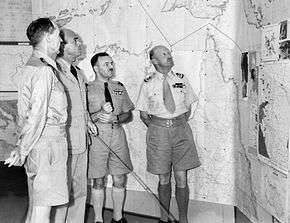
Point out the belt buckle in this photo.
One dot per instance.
(169, 123)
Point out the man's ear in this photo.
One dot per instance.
(95, 69)
(154, 61)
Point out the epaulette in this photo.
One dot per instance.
(43, 61)
(149, 77)
(47, 64)
(180, 75)
(118, 82)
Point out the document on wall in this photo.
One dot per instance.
(15, 16)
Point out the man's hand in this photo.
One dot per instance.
(92, 128)
(107, 117)
(15, 159)
(107, 107)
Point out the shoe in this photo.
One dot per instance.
(122, 220)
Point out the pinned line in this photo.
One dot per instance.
(16, 43)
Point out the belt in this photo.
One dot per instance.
(108, 125)
(173, 122)
(54, 130)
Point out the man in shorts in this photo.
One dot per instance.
(42, 111)
(165, 105)
(110, 107)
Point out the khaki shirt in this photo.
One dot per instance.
(41, 100)
(75, 90)
(120, 97)
(151, 95)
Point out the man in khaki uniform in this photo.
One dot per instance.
(110, 107)
(42, 111)
(78, 122)
(165, 104)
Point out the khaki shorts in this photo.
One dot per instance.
(101, 160)
(46, 169)
(170, 146)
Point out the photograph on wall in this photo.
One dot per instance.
(245, 71)
(270, 42)
(253, 73)
(283, 30)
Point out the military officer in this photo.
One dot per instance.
(165, 104)
(110, 107)
(78, 123)
(42, 111)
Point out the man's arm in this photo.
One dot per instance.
(187, 114)
(124, 117)
(145, 118)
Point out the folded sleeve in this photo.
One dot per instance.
(142, 101)
(127, 104)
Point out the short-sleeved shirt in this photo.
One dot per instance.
(120, 98)
(41, 100)
(151, 95)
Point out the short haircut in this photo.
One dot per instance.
(38, 28)
(95, 58)
(151, 53)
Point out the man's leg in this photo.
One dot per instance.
(30, 201)
(40, 214)
(182, 194)
(118, 195)
(98, 196)
(59, 213)
(164, 194)
(78, 193)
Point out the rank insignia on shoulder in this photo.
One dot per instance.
(149, 77)
(43, 61)
(47, 64)
(178, 85)
(180, 75)
(120, 83)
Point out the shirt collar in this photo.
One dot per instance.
(160, 75)
(64, 65)
(49, 60)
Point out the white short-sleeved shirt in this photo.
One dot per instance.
(151, 95)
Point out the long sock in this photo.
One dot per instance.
(164, 194)
(118, 197)
(98, 196)
(182, 197)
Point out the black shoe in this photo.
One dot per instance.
(122, 220)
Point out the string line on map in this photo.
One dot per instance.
(139, 180)
(193, 32)
(19, 43)
(152, 20)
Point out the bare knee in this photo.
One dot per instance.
(164, 178)
(99, 183)
(40, 214)
(180, 178)
(119, 181)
